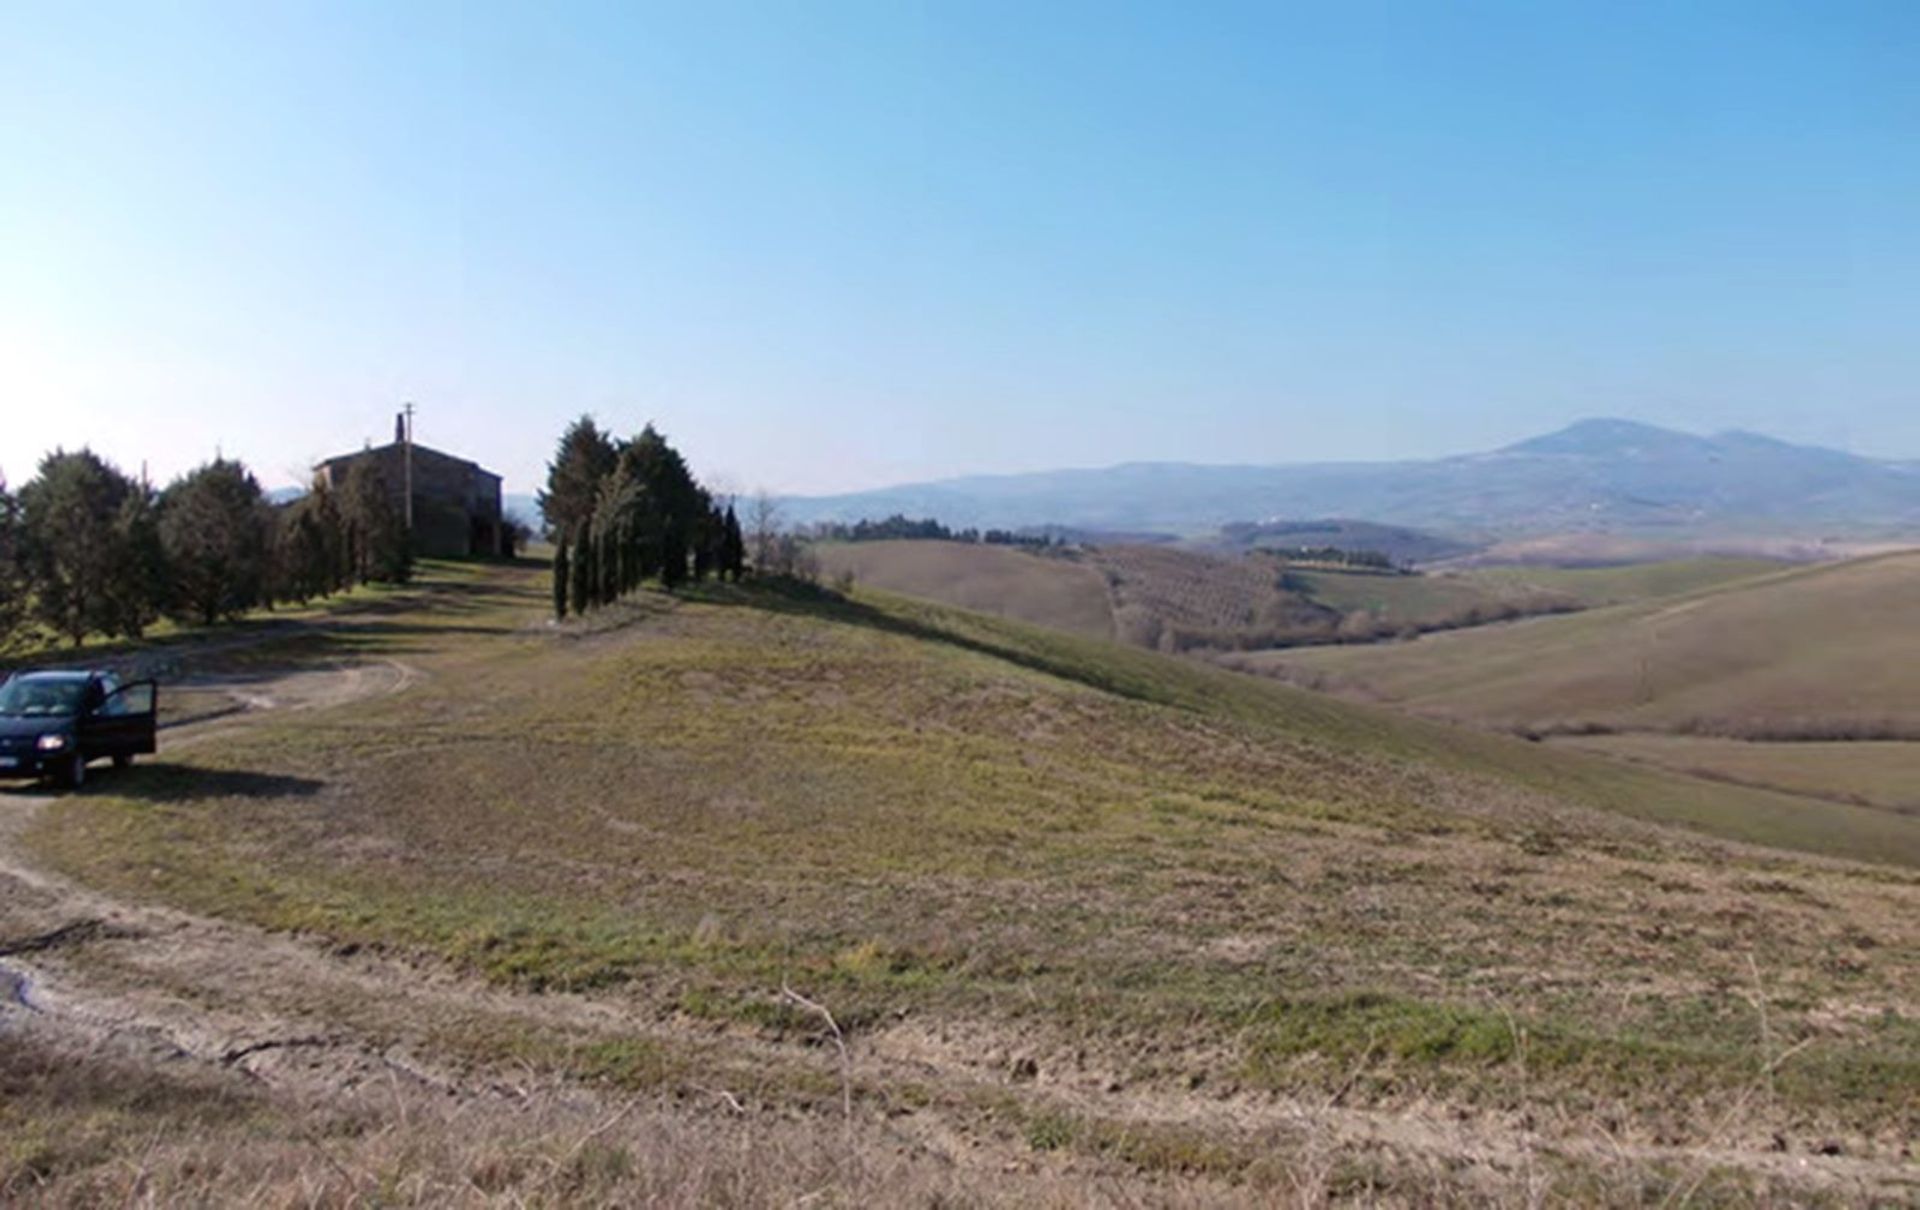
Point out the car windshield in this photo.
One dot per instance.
(35, 697)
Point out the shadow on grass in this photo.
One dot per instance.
(162, 782)
(799, 598)
(361, 609)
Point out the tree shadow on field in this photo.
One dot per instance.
(163, 782)
(803, 599)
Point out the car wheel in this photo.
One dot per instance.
(76, 775)
(123, 760)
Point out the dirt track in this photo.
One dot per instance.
(44, 917)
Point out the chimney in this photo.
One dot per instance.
(399, 428)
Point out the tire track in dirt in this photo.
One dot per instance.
(37, 980)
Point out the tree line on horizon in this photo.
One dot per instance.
(900, 527)
(86, 549)
(620, 513)
(1370, 560)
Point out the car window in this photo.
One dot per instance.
(28, 697)
(133, 699)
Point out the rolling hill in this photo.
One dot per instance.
(1812, 652)
(1608, 475)
(1004, 581)
(1180, 598)
(921, 885)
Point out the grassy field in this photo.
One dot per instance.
(1808, 653)
(1627, 582)
(1076, 902)
(1883, 774)
(1173, 599)
(999, 580)
(1439, 599)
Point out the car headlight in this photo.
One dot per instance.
(52, 743)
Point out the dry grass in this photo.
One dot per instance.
(1628, 582)
(1173, 599)
(1380, 606)
(1831, 643)
(1080, 908)
(1871, 774)
(85, 1129)
(1046, 590)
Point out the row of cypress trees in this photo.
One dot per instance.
(623, 512)
(86, 549)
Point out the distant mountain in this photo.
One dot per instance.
(1615, 476)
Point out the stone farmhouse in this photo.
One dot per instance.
(456, 503)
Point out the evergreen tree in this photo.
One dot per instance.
(306, 565)
(376, 529)
(585, 457)
(136, 595)
(708, 535)
(672, 503)
(631, 512)
(615, 564)
(618, 515)
(332, 524)
(215, 543)
(14, 628)
(561, 583)
(582, 572)
(78, 518)
(733, 559)
(673, 553)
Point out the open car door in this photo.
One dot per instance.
(126, 723)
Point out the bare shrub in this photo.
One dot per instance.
(763, 528)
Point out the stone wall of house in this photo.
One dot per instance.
(456, 504)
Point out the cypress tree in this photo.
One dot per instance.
(584, 458)
(673, 554)
(710, 535)
(606, 565)
(582, 573)
(304, 550)
(734, 559)
(560, 582)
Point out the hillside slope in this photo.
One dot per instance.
(1817, 651)
(1066, 903)
(999, 580)
(1175, 598)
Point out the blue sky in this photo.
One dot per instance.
(832, 246)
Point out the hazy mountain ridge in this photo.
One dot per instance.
(1613, 475)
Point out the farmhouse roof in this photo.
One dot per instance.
(418, 452)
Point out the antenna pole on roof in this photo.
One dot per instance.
(406, 431)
